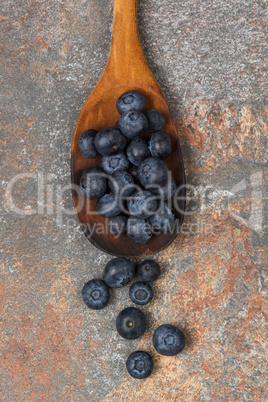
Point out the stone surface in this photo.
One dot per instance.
(209, 59)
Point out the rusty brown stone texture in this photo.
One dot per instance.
(209, 59)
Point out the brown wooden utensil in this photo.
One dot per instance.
(126, 69)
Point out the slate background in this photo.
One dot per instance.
(209, 59)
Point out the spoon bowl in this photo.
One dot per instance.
(126, 70)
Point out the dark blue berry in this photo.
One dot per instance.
(131, 323)
(163, 220)
(133, 170)
(121, 183)
(137, 151)
(141, 293)
(86, 144)
(108, 206)
(96, 294)
(131, 100)
(140, 364)
(160, 145)
(93, 183)
(148, 270)
(156, 120)
(166, 191)
(113, 163)
(168, 340)
(138, 230)
(118, 272)
(152, 171)
(142, 204)
(133, 124)
(109, 141)
(117, 225)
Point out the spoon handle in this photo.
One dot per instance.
(125, 36)
(126, 58)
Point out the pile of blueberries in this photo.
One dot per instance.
(132, 181)
(168, 340)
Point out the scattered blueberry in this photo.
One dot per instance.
(96, 294)
(142, 204)
(148, 270)
(133, 124)
(131, 100)
(118, 272)
(93, 183)
(164, 220)
(113, 163)
(152, 171)
(137, 151)
(160, 145)
(121, 183)
(86, 144)
(166, 191)
(140, 364)
(109, 141)
(138, 230)
(108, 206)
(168, 340)
(147, 211)
(141, 293)
(117, 225)
(156, 120)
(131, 323)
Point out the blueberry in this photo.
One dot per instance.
(138, 230)
(140, 364)
(113, 163)
(131, 100)
(93, 183)
(121, 183)
(148, 270)
(152, 171)
(131, 323)
(156, 120)
(168, 340)
(117, 225)
(109, 141)
(86, 144)
(108, 206)
(133, 170)
(142, 204)
(96, 294)
(118, 272)
(160, 145)
(166, 191)
(133, 124)
(141, 293)
(164, 220)
(137, 151)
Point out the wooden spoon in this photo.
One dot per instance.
(126, 69)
